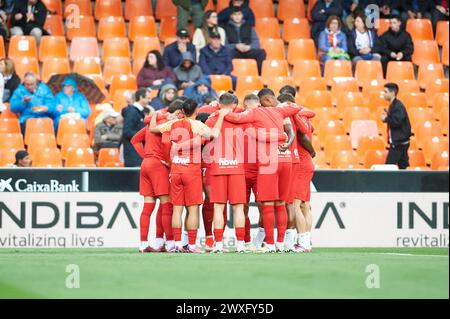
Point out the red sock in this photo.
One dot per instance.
(225, 217)
(218, 235)
(269, 223)
(177, 234)
(192, 235)
(208, 214)
(159, 224)
(282, 221)
(248, 237)
(167, 212)
(144, 222)
(240, 233)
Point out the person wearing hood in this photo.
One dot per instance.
(395, 44)
(71, 102)
(154, 72)
(200, 90)
(333, 42)
(225, 14)
(242, 39)
(187, 72)
(166, 95)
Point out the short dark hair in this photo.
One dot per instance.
(175, 106)
(251, 97)
(228, 99)
(288, 89)
(392, 87)
(189, 107)
(142, 92)
(202, 117)
(286, 97)
(264, 92)
(209, 98)
(396, 17)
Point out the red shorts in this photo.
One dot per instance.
(226, 188)
(304, 177)
(186, 190)
(294, 177)
(251, 179)
(272, 187)
(154, 178)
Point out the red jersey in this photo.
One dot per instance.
(294, 146)
(210, 108)
(304, 127)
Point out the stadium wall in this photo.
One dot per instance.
(82, 208)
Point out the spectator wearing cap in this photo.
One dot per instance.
(242, 39)
(210, 25)
(188, 72)
(22, 159)
(215, 58)
(154, 72)
(225, 14)
(190, 8)
(108, 133)
(173, 53)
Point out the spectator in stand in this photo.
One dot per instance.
(333, 42)
(154, 72)
(216, 58)
(210, 25)
(22, 159)
(108, 133)
(395, 44)
(225, 14)
(3, 20)
(200, 91)
(415, 9)
(133, 122)
(188, 72)
(10, 79)
(166, 95)
(362, 41)
(190, 8)
(242, 40)
(439, 12)
(173, 53)
(28, 18)
(71, 103)
(320, 14)
(32, 99)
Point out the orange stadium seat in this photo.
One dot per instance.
(25, 64)
(325, 114)
(320, 162)
(435, 144)
(367, 71)
(429, 72)
(411, 100)
(445, 54)
(22, 46)
(116, 66)
(272, 68)
(221, 82)
(209, 6)
(2, 48)
(123, 82)
(54, 25)
(360, 128)
(267, 28)
(47, 157)
(337, 68)
(120, 99)
(52, 66)
(107, 8)
(334, 143)
(146, 44)
(344, 160)
(426, 130)
(244, 67)
(11, 140)
(305, 69)
(142, 26)
(291, 9)
(169, 41)
(88, 65)
(313, 84)
(425, 52)
(9, 125)
(39, 141)
(52, 47)
(70, 126)
(74, 140)
(7, 114)
(373, 86)
(435, 87)
(301, 49)
(274, 49)
(262, 8)
(408, 86)
(442, 32)
(110, 27)
(328, 128)
(53, 6)
(416, 158)
(375, 100)
(167, 28)
(81, 7)
(277, 82)
(165, 9)
(348, 99)
(108, 155)
(444, 118)
(248, 83)
(354, 113)
(314, 99)
(419, 115)
(343, 85)
(80, 157)
(7, 157)
(137, 65)
(369, 143)
(420, 29)
(99, 81)
(86, 28)
(84, 48)
(439, 160)
(135, 8)
(382, 25)
(397, 71)
(441, 103)
(373, 157)
(116, 47)
(296, 29)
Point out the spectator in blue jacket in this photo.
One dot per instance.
(173, 53)
(320, 13)
(216, 58)
(33, 99)
(225, 14)
(70, 102)
(200, 91)
(333, 42)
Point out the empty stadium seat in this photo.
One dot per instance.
(267, 28)
(444, 121)
(436, 87)
(354, 113)
(7, 114)
(301, 49)
(296, 29)
(367, 71)
(419, 115)
(441, 103)
(336, 69)
(123, 82)
(416, 158)
(369, 143)
(8, 156)
(165, 9)
(277, 82)
(313, 84)
(375, 100)
(397, 71)
(262, 8)
(54, 25)
(21, 46)
(11, 140)
(38, 141)
(411, 100)
(108, 155)
(429, 72)
(52, 47)
(373, 86)
(2, 48)
(420, 29)
(85, 27)
(445, 54)
(70, 126)
(314, 99)
(142, 26)
(167, 28)
(439, 160)
(373, 157)
(437, 144)
(274, 48)
(120, 99)
(334, 143)
(343, 85)
(116, 66)
(325, 114)
(221, 82)
(116, 47)
(53, 6)
(305, 69)
(426, 130)
(425, 52)
(52, 66)
(47, 157)
(248, 83)
(244, 67)
(80, 157)
(348, 99)
(146, 44)
(26, 64)
(77, 7)
(135, 8)
(88, 65)
(9, 125)
(108, 8)
(442, 30)
(344, 159)
(291, 9)
(73, 141)
(362, 128)
(84, 48)
(272, 68)
(408, 86)
(111, 27)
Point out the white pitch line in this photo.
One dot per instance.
(411, 255)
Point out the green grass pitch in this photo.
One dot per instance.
(326, 273)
